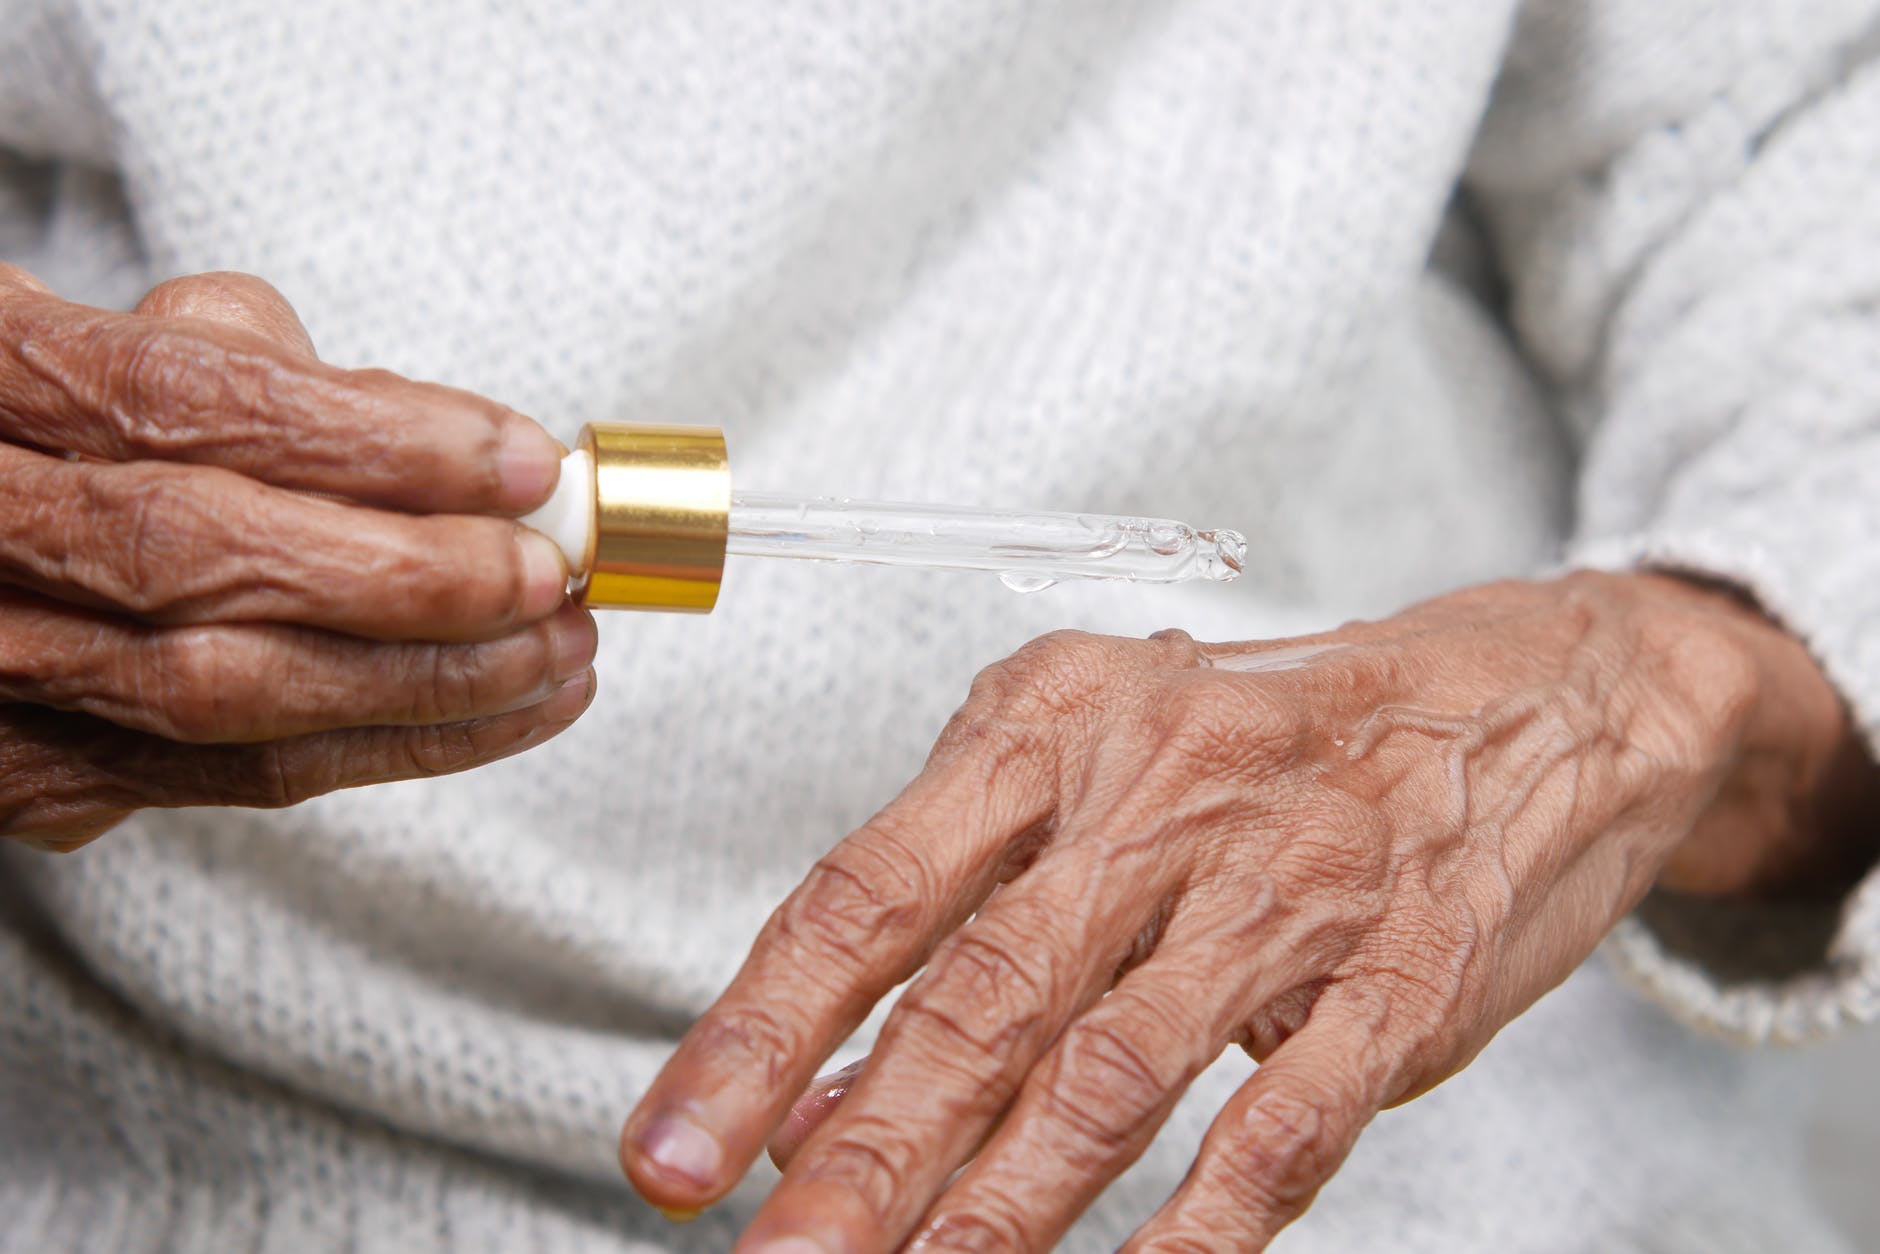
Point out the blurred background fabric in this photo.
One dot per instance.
(1845, 1136)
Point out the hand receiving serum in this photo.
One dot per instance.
(645, 515)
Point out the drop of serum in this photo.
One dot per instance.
(1020, 581)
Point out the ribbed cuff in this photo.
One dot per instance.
(1754, 972)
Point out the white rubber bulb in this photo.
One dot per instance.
(567, 517)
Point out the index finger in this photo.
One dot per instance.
(864, 920)
(118, 387)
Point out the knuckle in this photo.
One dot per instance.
(159, 527)
(981, 996)
(443, 682)
(985, 729)
(268, 777)
(1057, 675)
(989, 689)
(439, 749)
(1178, 646)
(853, 900)
(750, 1035)
(231, 298)
(1065, 676)
(872, 1156)
(1123, 1066)
(981, 962)
(188, 295)
(1284, 1146)
(1105, 1084)
(238, 287)
(194, 676)
(1064, 643)
(152, 377)
(287, 772)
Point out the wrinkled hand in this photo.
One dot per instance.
(1357, 855)
(183, 622)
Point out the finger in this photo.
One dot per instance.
(62, 773)
(960, 1041)
(231, 299)
(818, 1102)
(1282, 1135)
(1092, 1105)
(257, 681)
(15, 281)
(123, 387)
(74, 838)
(861, 922)
(176, 544)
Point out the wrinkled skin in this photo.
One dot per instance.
(183, 621)
(1356, 855)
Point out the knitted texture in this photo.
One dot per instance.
(1168, 258)
(1697, 267)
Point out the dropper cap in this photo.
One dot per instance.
(642, 515)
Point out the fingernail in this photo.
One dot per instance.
(528, 462)
(573, 636)
(792, 1245)
(681, 1148)
(676, 1216)
(544, 572)
(569, 699)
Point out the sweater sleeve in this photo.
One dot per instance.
(63, 214)
(1685, 199)
(50, 105)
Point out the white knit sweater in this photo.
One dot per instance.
(1171, 257)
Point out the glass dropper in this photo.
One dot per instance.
(645, 516)
(1029, 551)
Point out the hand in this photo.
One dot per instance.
(1357, 855)
(183, 623)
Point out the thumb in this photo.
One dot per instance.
(232, 299)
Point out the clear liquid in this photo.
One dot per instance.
(1028, 551)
